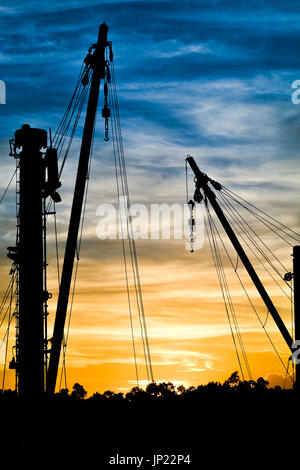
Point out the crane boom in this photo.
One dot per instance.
(202, 182)
(97, 64)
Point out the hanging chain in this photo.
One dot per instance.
(106, 108)
(106, 111)
(191, 205)
(106, 138)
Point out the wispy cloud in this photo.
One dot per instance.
(211, 79)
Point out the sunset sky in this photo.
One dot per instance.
(211, 79)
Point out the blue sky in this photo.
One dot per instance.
(207, 78)
(165, 51)
(183, 68)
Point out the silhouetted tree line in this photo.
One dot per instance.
(204, 421)
(165, 390)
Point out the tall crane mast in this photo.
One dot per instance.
(29, 255)
(202, 181)
(97, 63)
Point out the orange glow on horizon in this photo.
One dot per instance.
(189, 335)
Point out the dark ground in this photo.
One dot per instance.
(216, 429)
